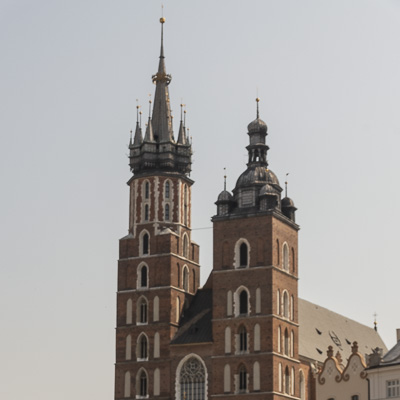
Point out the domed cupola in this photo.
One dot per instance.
(288, 208)
(225, 201)
(258, 125)
(257, 174)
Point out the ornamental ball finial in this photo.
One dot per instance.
(162, 20)
(257, 99)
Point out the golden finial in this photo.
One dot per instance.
(162, 20)
(258, 113)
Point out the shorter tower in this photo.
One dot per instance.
(254, 279)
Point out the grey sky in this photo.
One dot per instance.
(327, 73)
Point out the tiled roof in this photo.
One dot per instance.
(195, 323)
(392, 356)
(320, 328)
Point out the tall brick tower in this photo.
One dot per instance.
(255, 274)
(158, 270)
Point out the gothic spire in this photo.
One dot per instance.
(138, 131)
(149, 135)
(182, 130)
(157, 151)
(162, 122)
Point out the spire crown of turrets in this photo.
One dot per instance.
(159, 150)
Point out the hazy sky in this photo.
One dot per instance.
(327, 73)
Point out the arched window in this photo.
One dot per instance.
(291, 344)
(242, 339)
(143, 347)
(278, 252)
(286, 257)
(156, 345)
(142, 383)
(278, 302)
(243, 255)
(292, 381)
(127, 384)
(167, 212)
(302, 386)
(156, 382)
(227, 378)
(142, 311)
(279, 339)
(129, 311)
(145, 244)
(243, 302)
(156, 309)
(258, 300)
(128, 347)
(293, 261)
(287, 381)
(146, 212)
(185, 278)
(167, 189)
(147, 190)
(242, 379)
(185, 246)
(143, 276)
(185, 205)
(178, 309)
(256, 376)
(280, 378)
(194, 280)
(257, 337)
(285, 304)
(286, 343)
(229, 303)
(292, 308)
(192, 380)
(227, 340)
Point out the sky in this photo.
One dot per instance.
(327, 73)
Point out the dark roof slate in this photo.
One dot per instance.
(392, 356)
(195, 323)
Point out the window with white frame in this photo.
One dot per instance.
(192, 380)
(141, 312)
(142, 348)
(142, 384)
(393, 388)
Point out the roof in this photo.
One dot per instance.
(320, 328)
(195, 323)
(392, 357)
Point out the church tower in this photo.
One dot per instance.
(158, 270)
(255, 274)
